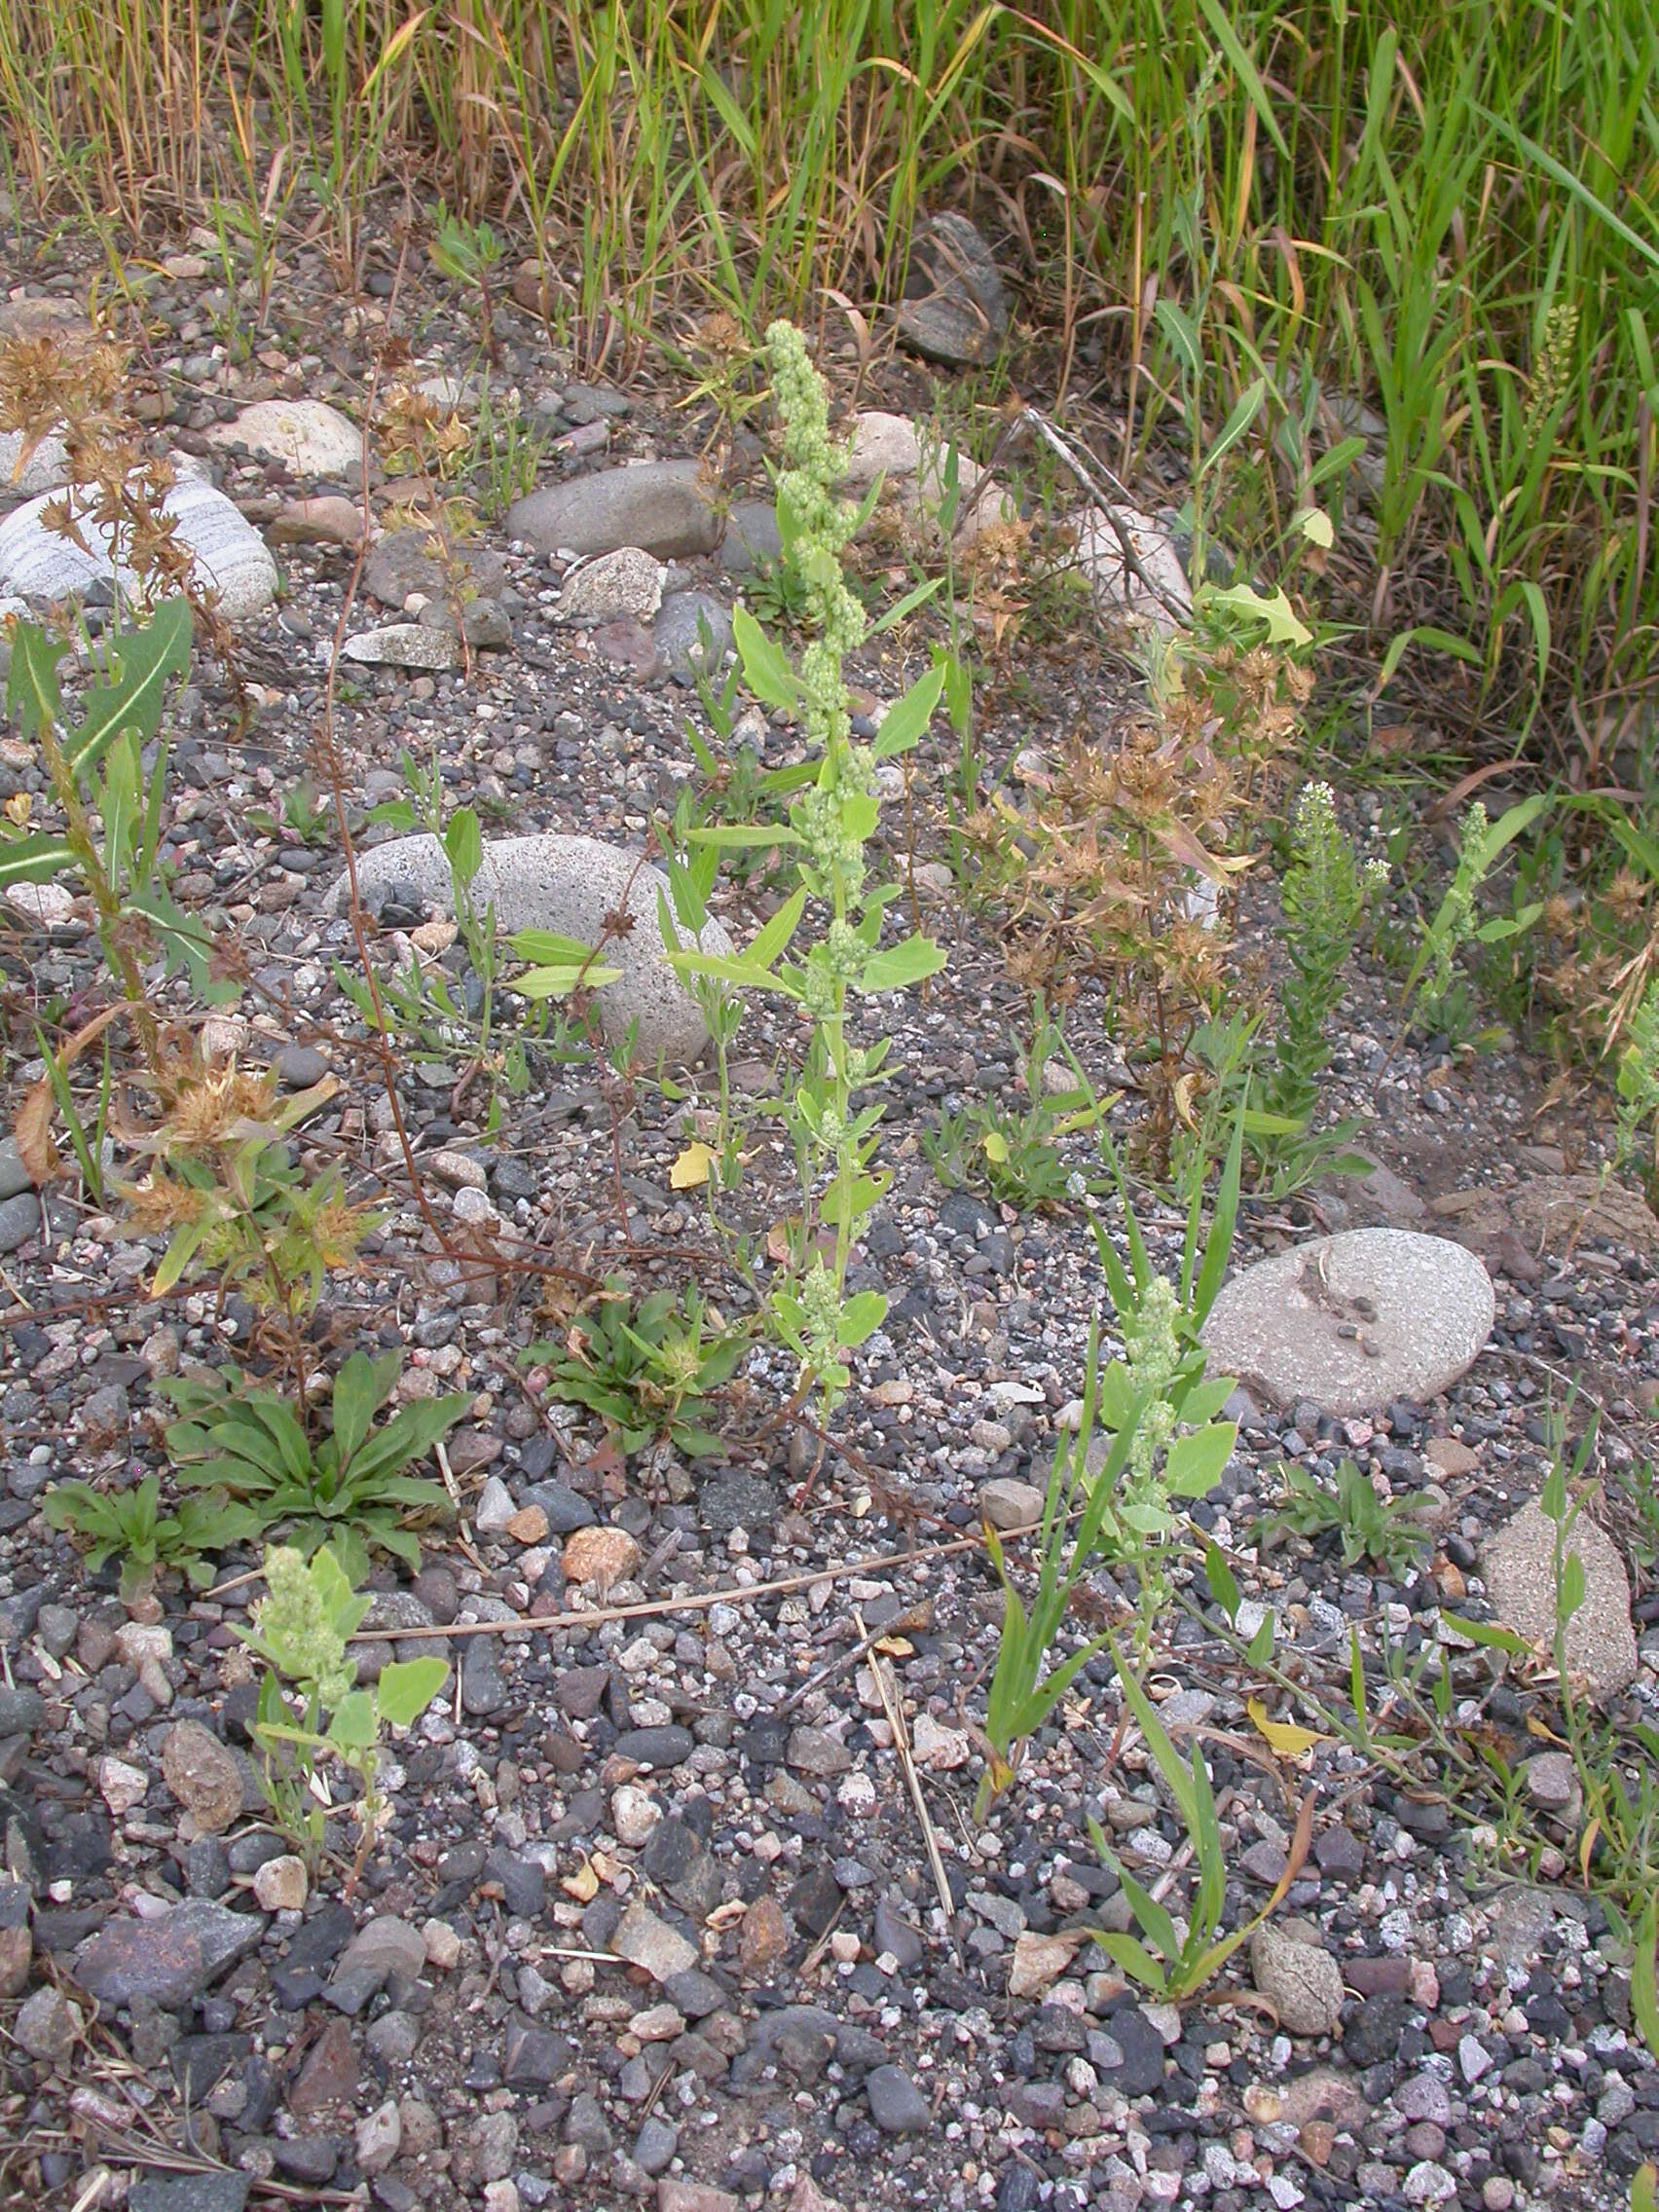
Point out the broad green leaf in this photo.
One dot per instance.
(32, 692)
(906, 720)
(133, 700)
(463, 845)
(1196, 1461)
(902, 965)
(860, 1316)
(353, 1726)
(1272, 610)
(765, 670)
(356, 1400)
(34, 858)
(406, 1687)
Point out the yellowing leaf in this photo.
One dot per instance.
(996, 1146)
(1314, 525)
(690, 1171)
(18, 807)
(1282, 1736)
(893, 1646)
(583, 1885)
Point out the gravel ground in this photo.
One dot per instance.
(656, 1916)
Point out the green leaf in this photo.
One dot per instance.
(1223, 1583)
(1134, 1958)
(35, 858)
(33, 693)
(144, 661)
(1272, 610)
(744, 836)
(902, 965)
(1196, 1461)
(772, 940)
(406, 1687)
(765, 670)
(357, 1396)
(463, 845)
(1245, 409)
(860, 1318)
(1245, 70)
(1261, 1648)
(906, 720)
(352, 1725)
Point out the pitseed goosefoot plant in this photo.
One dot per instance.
(309, 1708)
(831, 1117)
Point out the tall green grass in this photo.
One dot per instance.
(1444, 207)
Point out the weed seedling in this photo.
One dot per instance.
(128, 1524)
(1387, 1531)
(309, 1709)
(646, 1369)
(355, 1482)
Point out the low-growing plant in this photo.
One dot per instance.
(1175, 1962)
(310, 1711)
(1327, 893)
(354, 1481)
(647, 1369)
(1159, 1391)
(1017, 1156)
(469, 253)
(130, 1524)
(1434, 984)
(235, 1204)
(1025, 1685)
(1390, 1532)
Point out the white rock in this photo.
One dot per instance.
(565, 884)
(938, 1748)
(1354, 1321)
(627, 581)
(309, 438)
(380, 2137)
(634, 1814)
(1118, 586)
(46, 466)
(403, 644)
(229, 555)
(495, 1507)
(120, 1786)
(280, 1884)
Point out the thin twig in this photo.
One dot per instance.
(692, 1602)
(907, 1761)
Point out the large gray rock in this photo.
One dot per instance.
(958, 310)
(1298, 1977)
(1354, 1321)
(1517, 1564)
(627, 581)
(666, 507)
(48, 465)
(228, 553)
(307, 436)
(402, 644)
(569, 885)
(1133, 565)
(409, 560)
(166, 1960)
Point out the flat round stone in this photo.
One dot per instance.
(1355, 1322)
